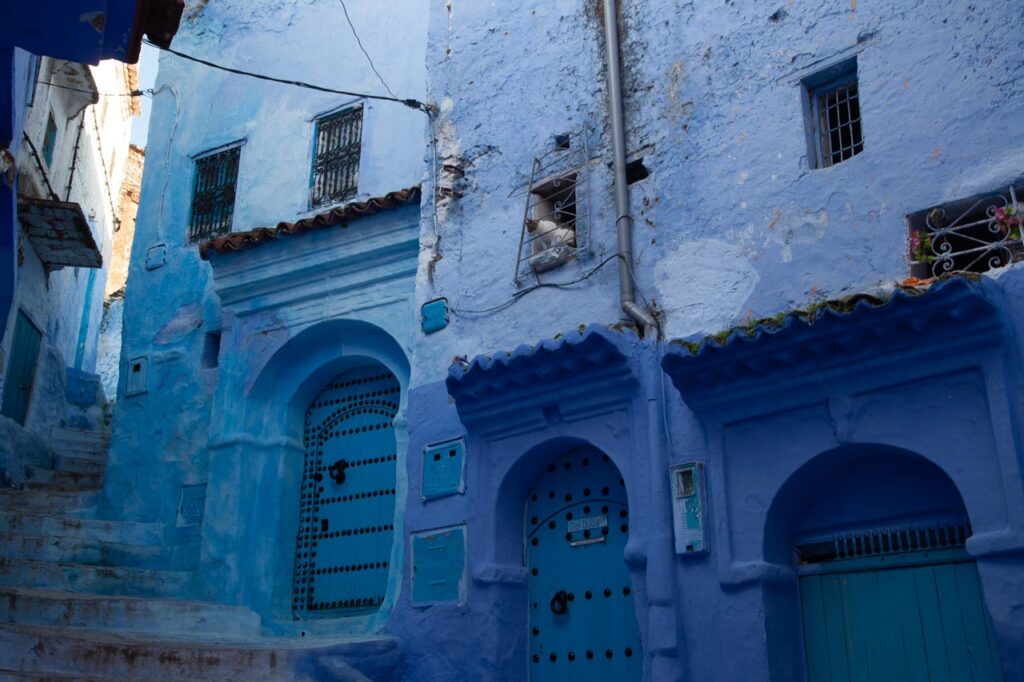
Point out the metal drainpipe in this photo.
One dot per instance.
(624, 221)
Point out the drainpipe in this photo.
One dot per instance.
(623, 221)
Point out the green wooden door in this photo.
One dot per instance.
(21, 369)
(915, 618)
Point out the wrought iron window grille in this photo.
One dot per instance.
(972, 235)
(834, 118)
(885, 541)
(213, 194)
(336, 153)
(556, 216)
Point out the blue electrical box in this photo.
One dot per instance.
(444, 467)
(439, 565)
(434, 315)
(689, 508)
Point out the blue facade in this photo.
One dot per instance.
(567, 496)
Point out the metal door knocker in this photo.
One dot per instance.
(337, 471)
(560, 603)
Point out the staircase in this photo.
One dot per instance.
(77, 602)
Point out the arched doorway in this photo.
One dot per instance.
(887, 589)
(581, 613)
(347, 495)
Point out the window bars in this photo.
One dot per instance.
(973, 235)
(833, 118)
(213, 194)
(336, 157)
(556, 216)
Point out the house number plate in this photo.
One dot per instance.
(579, 530)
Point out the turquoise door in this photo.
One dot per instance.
(899, 617)
(347, 498)
(582, 621)
(21, 369)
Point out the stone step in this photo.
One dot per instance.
(52, 652)
(79, 436)
(125, 532)
(78, 550)
(63, 480)
(81, 465)
(11, 676)
(49, 608)
(57, 501)
(103, 580)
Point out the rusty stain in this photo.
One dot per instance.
(853, 5)
(775, 219)
(936, 152)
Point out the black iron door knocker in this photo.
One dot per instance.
(337, 471)
(560, 603)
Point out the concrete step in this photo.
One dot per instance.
(52, 652)
(56, 501)
(77, 550)
(79, 436)
(50, 608)
(103, 580)
(53, 479)
(12, 676)
(125, 532)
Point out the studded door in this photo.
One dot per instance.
(347, 499)
(582, 620)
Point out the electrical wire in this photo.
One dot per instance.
(411, 103)
(367, 54)
(528, 290)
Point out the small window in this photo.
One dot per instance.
(213, 194)
(336, 157)
(555, 221)
(834, 123)
(970, 235)
(49, 140)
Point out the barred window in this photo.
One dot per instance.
(834, 118)
(336, 157)
(213, 194)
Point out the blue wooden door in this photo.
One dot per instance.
(904, 617)
(347, 499)
(582, 620)
(21, 369)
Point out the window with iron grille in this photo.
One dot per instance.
(834, 123)
(213, 194)
(336, 157)
(976, 234)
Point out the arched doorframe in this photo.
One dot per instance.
(937, 497)
(513, 469)
(256, 454)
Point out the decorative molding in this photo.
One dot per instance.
(579, 374)
(951, 316)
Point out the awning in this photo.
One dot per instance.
(59, 233)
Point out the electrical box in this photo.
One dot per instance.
(136, 381)
(444, 469)
(434, 315)
(439, 565)
(689, 508)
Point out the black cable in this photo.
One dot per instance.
(411, 103)
(367, 54)
(544, 285)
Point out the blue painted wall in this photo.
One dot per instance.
(732, 223)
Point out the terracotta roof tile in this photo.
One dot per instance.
(340, 215)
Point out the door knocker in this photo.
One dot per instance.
(560, 603)
(337, 471)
